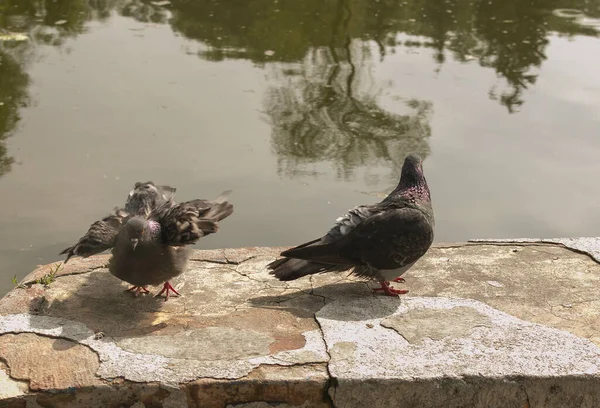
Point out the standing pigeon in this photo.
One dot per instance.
(380, 241)
(148, 237)
(151, 250)
(102, 234)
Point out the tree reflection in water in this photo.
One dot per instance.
(325, 110)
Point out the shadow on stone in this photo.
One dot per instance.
(567, 391)
(304, 303)
(98, 301)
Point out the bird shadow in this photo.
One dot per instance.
(342, 301)
(99, 301)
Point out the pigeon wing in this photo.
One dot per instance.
(187, 222)
(386, 240)
(100, 236)
(389, 240)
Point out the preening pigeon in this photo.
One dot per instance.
(149, 235)
(380, 241)
(102, 234)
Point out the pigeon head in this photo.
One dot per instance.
(146, 196)
(412, 180)
(147, 186)
(137, 231)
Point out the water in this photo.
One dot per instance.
(303, 108)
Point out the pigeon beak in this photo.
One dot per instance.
(134, 242)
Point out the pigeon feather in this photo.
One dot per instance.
(100, 236)
(187, 222)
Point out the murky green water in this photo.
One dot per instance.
(303, 108)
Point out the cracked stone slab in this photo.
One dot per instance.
(47, 363)
(413, 343)
(586, 245)
(293, 386)
(207, 344)
(116, 394)
(269, 405)
(238, 336)
(162, 365)
(10, 388)
(420, 324)
(546, 284)
(74, 267)
(488, 342)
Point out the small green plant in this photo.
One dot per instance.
(50, 277)
(16, 282)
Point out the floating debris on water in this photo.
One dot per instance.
(578, 17)
(161, 3)
(8, 36)
(589, 22)
(568, 13)
(60, 22)
(269, 53)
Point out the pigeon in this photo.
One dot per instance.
(149, 235)
(140, 258)
(380, 241)
(102, 234)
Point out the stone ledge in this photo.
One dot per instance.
(485, 324)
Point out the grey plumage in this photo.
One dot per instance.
(140, 257)
(102, 234)
(186, 223)
(149, 235)
(380, 241)
(146, 196)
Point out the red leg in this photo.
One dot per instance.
(167, 287)
(399, 279)
(137, 289)
(385, 287)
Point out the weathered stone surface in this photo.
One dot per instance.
(490, 344)
(546, 283)
(486, 359)
(484, 325)
(417, 324)
(585, 245)
(471, 392)
(73, 267)
(9, 387)
(295, 386)
(47, 363)
(114, 395)
(199, 344)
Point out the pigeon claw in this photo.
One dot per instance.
(388, 290)
(399, 279)
(167, 287)
(137, 289)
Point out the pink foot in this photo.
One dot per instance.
(400, 279)
(167, 287)
(385, 287)
(137, 289)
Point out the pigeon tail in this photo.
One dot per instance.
(287, 269)
(219, 211)
(70, 251)
(324, 253)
